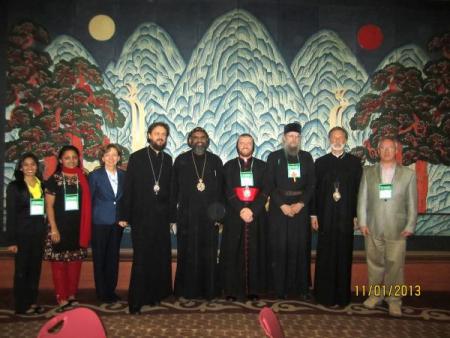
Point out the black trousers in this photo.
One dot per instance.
(105, 252)
(28, 262)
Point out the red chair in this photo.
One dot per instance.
(270, 323)
(77, 323)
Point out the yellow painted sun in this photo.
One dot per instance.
(102, 27)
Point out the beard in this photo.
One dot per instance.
(245, 153)
(337, 147)
(199, 148)
(292, 150)
(155, 146)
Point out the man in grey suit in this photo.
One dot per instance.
(387, 215)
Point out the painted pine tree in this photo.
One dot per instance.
(53, 108)
(412, 105)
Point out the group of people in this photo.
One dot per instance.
(265, 209)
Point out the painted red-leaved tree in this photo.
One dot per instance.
(415, 109)
(68, 105)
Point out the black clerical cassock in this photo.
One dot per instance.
(197, 188)
(289, 179)
(146, 207)
(243, 247)
(335, 206)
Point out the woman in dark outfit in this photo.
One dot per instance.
(68, 205)
(106, 185)
(25, 232)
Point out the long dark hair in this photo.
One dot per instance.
(61, 154)
(18, 174)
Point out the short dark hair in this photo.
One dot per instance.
(105, 149)
(245, 135)
(197, 130)
(386, 138)
(332, 130)
(159, 124)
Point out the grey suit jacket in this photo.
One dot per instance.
(388, 218)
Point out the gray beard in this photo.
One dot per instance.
(292, 151)
(199, 150)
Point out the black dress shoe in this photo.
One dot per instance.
(134, 310)
(111, 299)
(115, 297)
(253, 297)
(65, 307)
(72, 302)
(305, 297)
(38, 310)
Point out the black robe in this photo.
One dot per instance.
(243, 247)
(332, 282)
(289, 238)
(197, 233)
(148, 215)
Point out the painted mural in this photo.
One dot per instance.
(235, 81)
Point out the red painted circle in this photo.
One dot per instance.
(370, 37)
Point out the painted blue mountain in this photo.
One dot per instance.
(409, 56)
(330, 79)
(143, 79)
(236, 81)
(66, 48)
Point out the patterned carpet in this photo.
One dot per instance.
(220, 318)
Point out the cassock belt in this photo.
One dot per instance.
(246, 194)
(290, 192)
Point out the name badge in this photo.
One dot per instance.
(247, 179)
(36, 206)
(385, 191)
(294, 170)
(71, 202)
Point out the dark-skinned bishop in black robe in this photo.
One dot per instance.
(243, 248)
(197, 189)
(147, 212)
(289, 237)
(332, 282)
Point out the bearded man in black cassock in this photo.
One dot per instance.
(290, 181)
(197, 187)
(334, 217)
(243, 247)
(146, 207)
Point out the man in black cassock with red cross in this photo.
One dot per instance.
(243, 247)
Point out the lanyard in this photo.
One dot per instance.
(246, 176)
(240, 168)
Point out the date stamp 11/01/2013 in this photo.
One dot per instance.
(401, 290)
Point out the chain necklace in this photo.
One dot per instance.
(156, 187)
(200, 185)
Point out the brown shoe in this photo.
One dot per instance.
(395, 309)
(372, 302)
